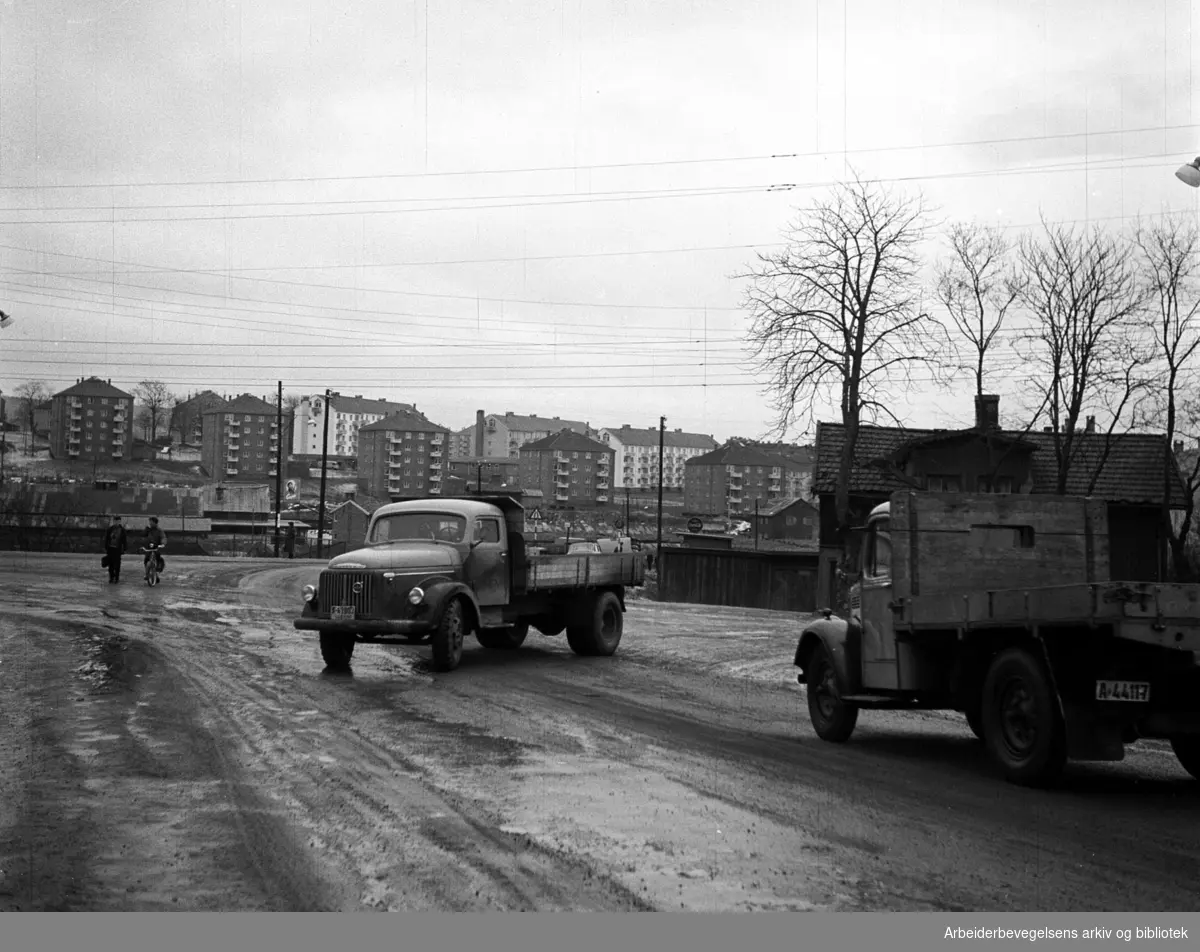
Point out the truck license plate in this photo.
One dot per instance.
(1122, 690)
(342, 613)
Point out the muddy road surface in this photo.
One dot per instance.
(183, 747)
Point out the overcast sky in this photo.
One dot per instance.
(527, 205)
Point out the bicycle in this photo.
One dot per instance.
(154, 566)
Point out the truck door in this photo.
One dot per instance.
(878, 637)
(488, 563)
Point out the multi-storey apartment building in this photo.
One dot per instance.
(92, 420)
(503, 434)
(730, 479)
(241, 439)
(569, 469)
(187, 416)
(402, 454)
(636, 449)
(347, 415)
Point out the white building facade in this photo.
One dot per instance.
(346, 417)
(636, 455)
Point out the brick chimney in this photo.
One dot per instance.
(478, 432)
(987, 411)
(1178, 447)
(1091, 424)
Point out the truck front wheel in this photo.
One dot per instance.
(601, 632)
(1187, 751)
(503, 639)
(1022, 726)
(336, 650)
(832, 718)
(449, 635)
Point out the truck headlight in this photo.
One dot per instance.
(309, 592)
(415, 596)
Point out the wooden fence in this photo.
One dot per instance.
(779, 581)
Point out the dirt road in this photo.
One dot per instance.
(182, 748)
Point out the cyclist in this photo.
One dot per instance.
(154, 536)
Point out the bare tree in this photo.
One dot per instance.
(32, 394)
(290, 402)
(1171, 269)
(977, 286)
(1082, 289)
(836, 316)
(156, 403)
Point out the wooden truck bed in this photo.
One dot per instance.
(544, 572)
(1138, 604)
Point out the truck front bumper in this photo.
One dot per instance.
(407, 628)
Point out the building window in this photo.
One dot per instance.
(941, 483)
(1000, 484)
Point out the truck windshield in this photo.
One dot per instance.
(418, 526)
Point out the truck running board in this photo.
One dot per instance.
(879, 700)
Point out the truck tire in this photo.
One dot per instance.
(1187, 752)
(449, 636)
(503, 639)
(832, 718)
(1022, 726)
(336, 650)
(601, 633)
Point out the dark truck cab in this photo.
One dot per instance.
(434, 570)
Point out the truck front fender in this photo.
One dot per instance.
(440, 591)
(841, 640)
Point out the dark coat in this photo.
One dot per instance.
(116, 538)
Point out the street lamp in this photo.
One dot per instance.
(1189, 173)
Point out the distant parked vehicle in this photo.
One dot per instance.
(583, 548)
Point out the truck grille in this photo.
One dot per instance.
(338, 588)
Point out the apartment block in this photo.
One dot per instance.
(503, 434)
(241, 439)
(347, 416)
(92, 420)
(403, 454)
(636, 455)
(733, 477)
(569, 469)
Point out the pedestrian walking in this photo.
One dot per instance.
(291, 540)
(115, 544)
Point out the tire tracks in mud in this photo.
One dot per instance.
(127, 804)
(364, 806)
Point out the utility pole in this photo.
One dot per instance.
(662, 427)
(324, 463)
(756, 521)
(278, 461)
(627, 528)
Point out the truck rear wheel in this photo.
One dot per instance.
(503, 639)
(1187, 751)
(601, 633)
(832, 718)
(448, 637)
(1022, 726)
(336, 650)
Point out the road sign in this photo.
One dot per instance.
(695, 525)
(536, 515)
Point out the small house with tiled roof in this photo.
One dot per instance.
(570, 469)
(92, 420)
(405, 454)
(1125, 469)
(793, 520)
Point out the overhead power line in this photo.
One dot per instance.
(649, 163)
